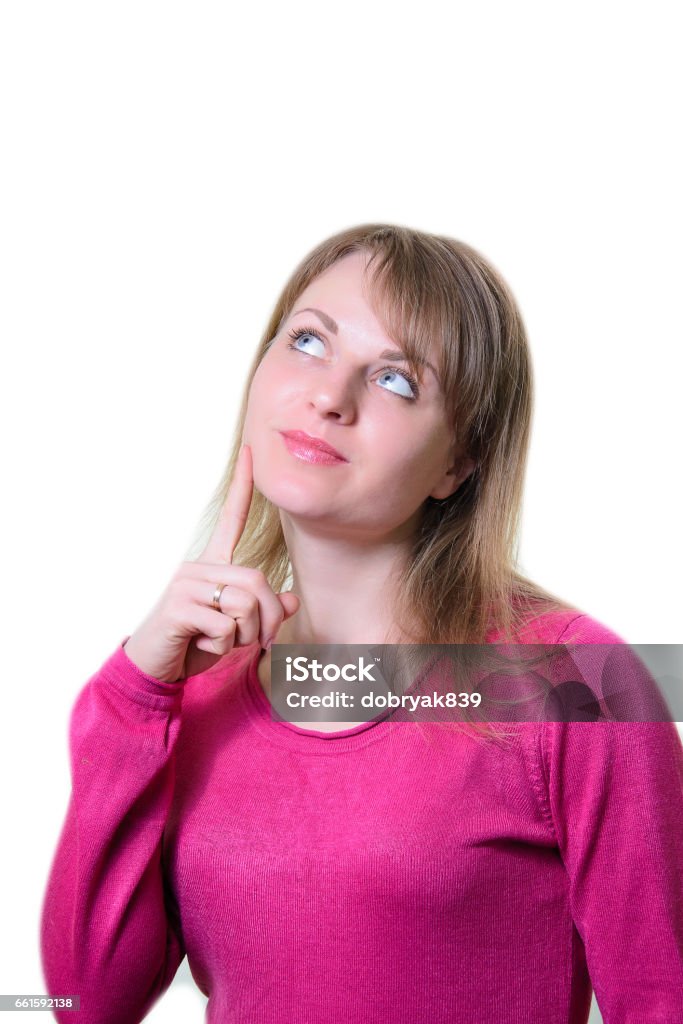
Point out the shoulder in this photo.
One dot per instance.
(569, 626)
(600, 677)
(586, 629)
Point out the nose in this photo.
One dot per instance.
(334, 396)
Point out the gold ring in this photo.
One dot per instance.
(216, 600)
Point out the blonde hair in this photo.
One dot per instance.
(462, 577)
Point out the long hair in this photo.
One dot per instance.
(461, 579)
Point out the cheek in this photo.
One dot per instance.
(261, 393)
(405, 471)
(273, 384)
(408, 446)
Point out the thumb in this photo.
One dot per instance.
(290, 602)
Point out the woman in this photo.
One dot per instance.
(357, 872)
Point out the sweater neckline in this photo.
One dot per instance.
(311, 740)
(314, 741)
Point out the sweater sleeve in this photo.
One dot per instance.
(109, 929)
(615, 798)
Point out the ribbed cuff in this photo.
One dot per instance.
(132, 682)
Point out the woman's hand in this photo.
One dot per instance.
(184, 635)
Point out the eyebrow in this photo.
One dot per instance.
(395, 355)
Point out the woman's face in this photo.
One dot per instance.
(328, 374)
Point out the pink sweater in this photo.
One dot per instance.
(364, 876)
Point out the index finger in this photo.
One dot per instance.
(233, 516)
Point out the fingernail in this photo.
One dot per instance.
(269, 642)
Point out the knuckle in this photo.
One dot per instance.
(221, 645)
(257, 577)
(229, 626)
(227, 629)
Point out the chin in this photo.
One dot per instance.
(287, 494)
(286, 485)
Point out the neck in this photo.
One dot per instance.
(347, 586)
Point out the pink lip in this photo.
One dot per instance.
(311, 449)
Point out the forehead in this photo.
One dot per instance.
(346, 286)
(354, 307)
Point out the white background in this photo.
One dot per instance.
(165, 166)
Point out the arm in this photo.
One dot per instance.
(109, 931)
(615, 798)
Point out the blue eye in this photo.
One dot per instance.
(300, 333)
(409, 381)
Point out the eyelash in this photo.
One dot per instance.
(296, 333)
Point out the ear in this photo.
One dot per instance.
(451, 480)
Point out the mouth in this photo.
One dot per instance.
(311, 449)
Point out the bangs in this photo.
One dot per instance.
(419, 313)
(441, 302)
